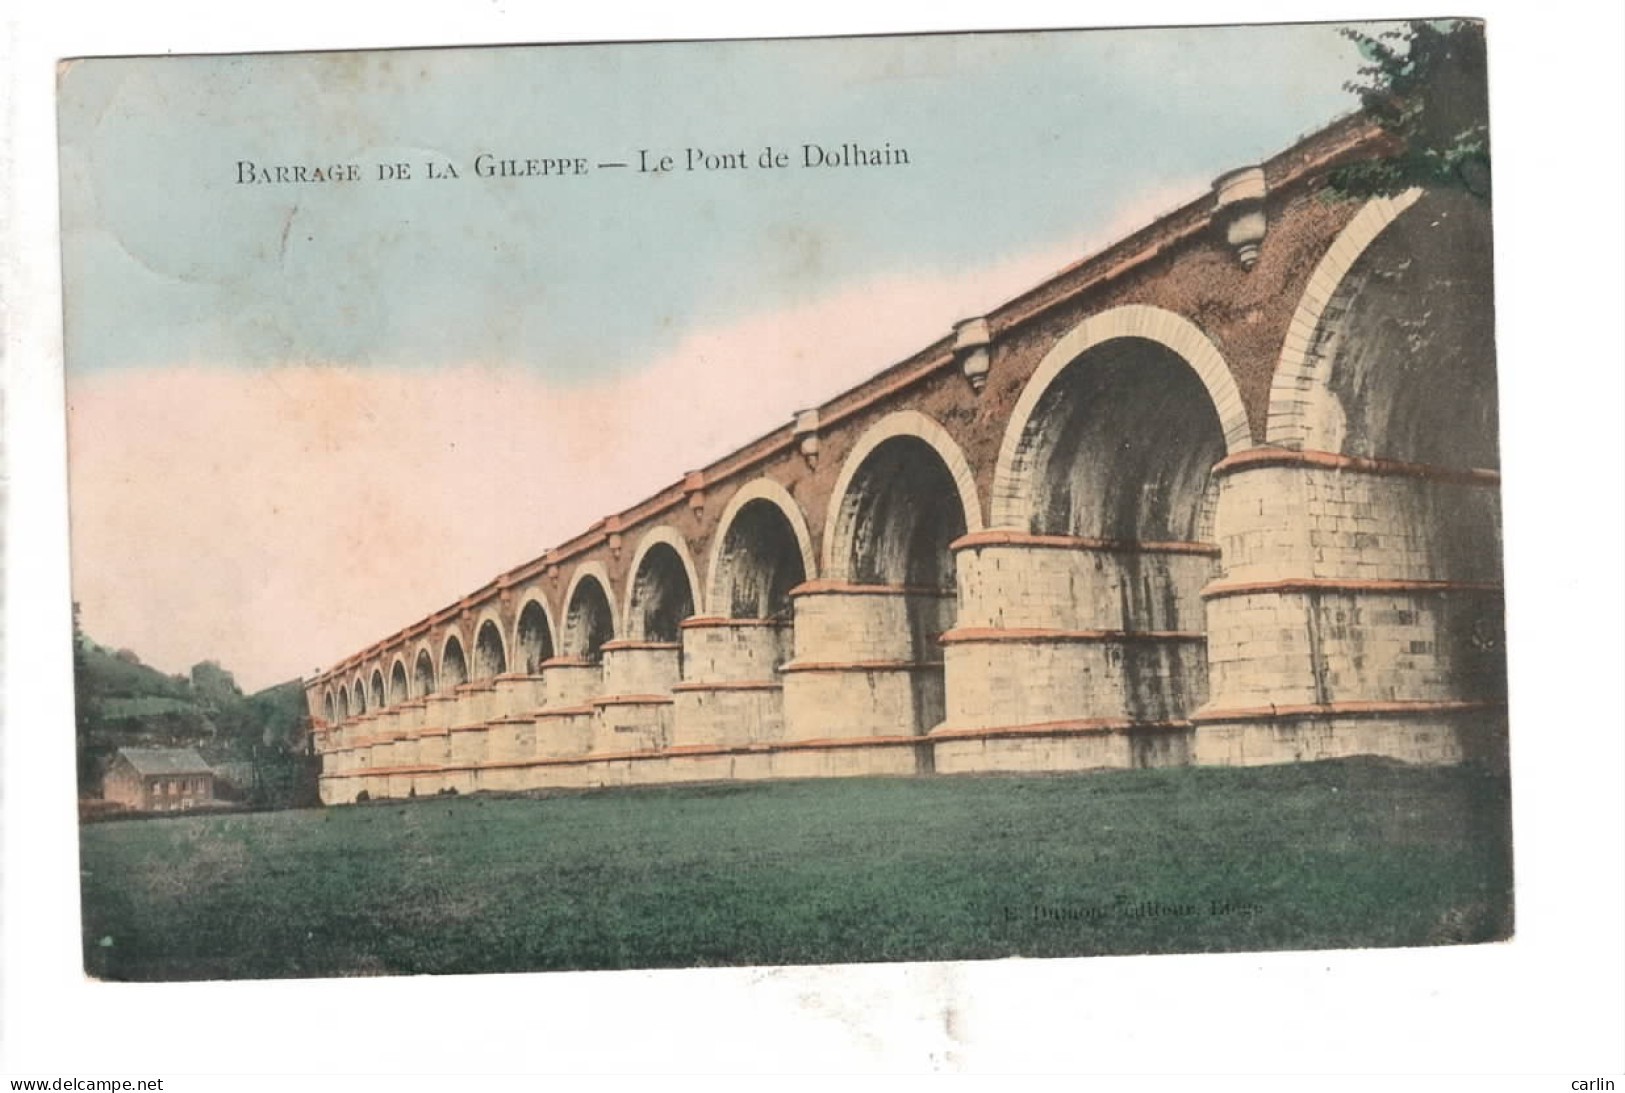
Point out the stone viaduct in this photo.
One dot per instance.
(1223, 493)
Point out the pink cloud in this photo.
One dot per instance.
(278, 519)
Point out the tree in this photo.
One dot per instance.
(1425, 86)
(85, 717)
(214, 686)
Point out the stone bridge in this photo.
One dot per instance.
(1224, 492)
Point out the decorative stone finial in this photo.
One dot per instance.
(694, 490)
(1239, 210)
(971, 341)
(806, 431)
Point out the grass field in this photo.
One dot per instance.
(1337, 854)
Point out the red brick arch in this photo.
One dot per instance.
(671, 537)
(1012, 501)
(760, 489)
(534, 594)
(838, 525)
(1302, 413)
(594, 571)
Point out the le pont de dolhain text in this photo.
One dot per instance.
(647, 161)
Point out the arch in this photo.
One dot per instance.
(1400, 361)
(669, 587)
(358, 695)
(377, 699)
(902, 425)
(343, 703)
(400, 689)
(534, 632)
(1112, 444)
(490, 651)
(423, 674)
(903, 497)
(723, 564)
(589, 618)
(1298, 372)
(329, 707)
(453, 662)
(1176, 337)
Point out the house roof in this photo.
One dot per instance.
(166, 760)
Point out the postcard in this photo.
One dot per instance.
(785, 502)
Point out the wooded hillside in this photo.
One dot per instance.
(256, 742)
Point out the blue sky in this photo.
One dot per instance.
(329, 409)
(1015, 139)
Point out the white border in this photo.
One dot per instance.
(1550, 1002)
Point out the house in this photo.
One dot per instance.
(159, 779)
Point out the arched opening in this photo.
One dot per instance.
(399, 691)
(423, 676)
(1410, 342)
(453, 666)
(1121, 447)
(759, 563)
(490, 659)
(328, 707)
(359, 697)
(535, 637)
(662, 595)
(1117, 454)
(378, 699)
(1407, 368)
(900, 512)
(589, 621)
(343, 704)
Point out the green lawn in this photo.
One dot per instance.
(1349, 853)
